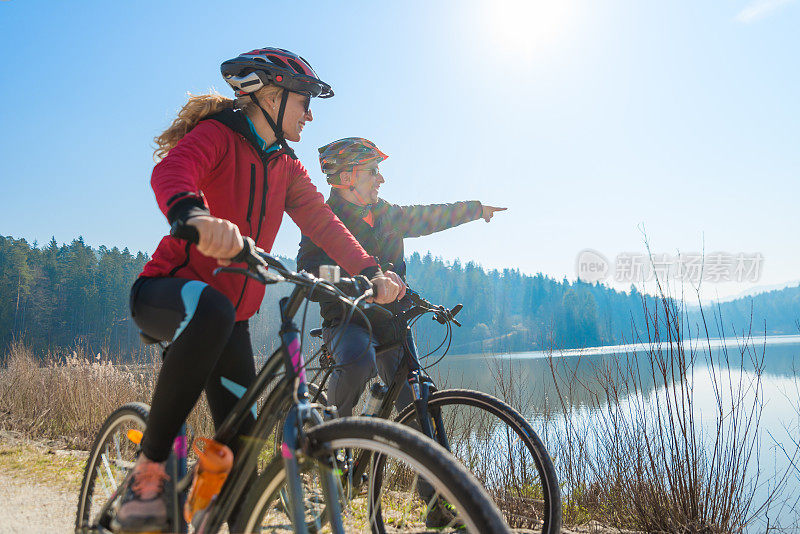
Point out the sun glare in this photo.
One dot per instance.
(528, 27)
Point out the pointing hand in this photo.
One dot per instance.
(488, 212)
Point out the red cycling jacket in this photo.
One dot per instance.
(216, 168)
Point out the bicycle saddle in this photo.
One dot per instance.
(147, 340)
(316, 332)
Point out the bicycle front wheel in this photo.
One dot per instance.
(422, 486)
(110, 460)
(499, 446)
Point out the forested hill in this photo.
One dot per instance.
(56, 296)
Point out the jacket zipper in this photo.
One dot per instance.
(262, 213)
(264, 187)
(252, 190)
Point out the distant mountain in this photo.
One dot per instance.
(775, 312)
(757, 290)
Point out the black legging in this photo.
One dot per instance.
(208, 350)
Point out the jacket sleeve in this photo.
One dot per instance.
(310, 256)
(176, 179)
(415, 221)
(307, 208)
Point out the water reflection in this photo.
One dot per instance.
(530, 378)
(532, 373)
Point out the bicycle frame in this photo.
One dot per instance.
(422, 386)
(292, 386)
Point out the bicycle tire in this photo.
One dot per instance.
(449, 479)
(109, 466)
(520, 506)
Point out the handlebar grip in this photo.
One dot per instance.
(354, 287)
(187, 232)
(455, 310)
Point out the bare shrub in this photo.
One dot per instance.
(634, 451)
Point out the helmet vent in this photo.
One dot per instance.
(296, 66)
(278, 61)
(261, 59)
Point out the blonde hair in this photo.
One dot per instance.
(199, 107)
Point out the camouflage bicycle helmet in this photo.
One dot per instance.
(250, 71)
(344, 154)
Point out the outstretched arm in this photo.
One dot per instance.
(415, 221)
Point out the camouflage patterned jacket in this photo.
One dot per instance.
(384, 238)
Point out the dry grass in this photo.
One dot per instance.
(66, 397)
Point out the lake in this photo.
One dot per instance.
(736, 366)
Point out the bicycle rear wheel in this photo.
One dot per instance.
(420, 482)
(498, 445)
(110, 460)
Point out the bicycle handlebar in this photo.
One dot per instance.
(267, 269)
(440, 314)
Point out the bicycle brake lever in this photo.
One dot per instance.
(443, 316)
(453, 312)
(260, 277)
(236, 270)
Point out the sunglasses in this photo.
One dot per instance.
(372, 171)
(306, 102)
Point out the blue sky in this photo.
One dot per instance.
(586, 119)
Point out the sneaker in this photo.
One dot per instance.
(442, 515)
(144, 508)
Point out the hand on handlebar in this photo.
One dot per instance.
(385, 289)
(399, 281)
(219, 238)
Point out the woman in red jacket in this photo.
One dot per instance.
(227, 170)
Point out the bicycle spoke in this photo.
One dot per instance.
(103, 477)
(116, 446)
(108, 472)
(110, 459)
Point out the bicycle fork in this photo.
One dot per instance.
(430, 420)
(299, 414)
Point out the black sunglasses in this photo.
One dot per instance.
(306, 102)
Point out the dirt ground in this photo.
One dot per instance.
(39, 485)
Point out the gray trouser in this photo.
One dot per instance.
(354, 353)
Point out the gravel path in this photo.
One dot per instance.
(39, 489)
(34, 507)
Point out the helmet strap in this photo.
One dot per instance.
(366, 207)
(360, 198)
(279, 138)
